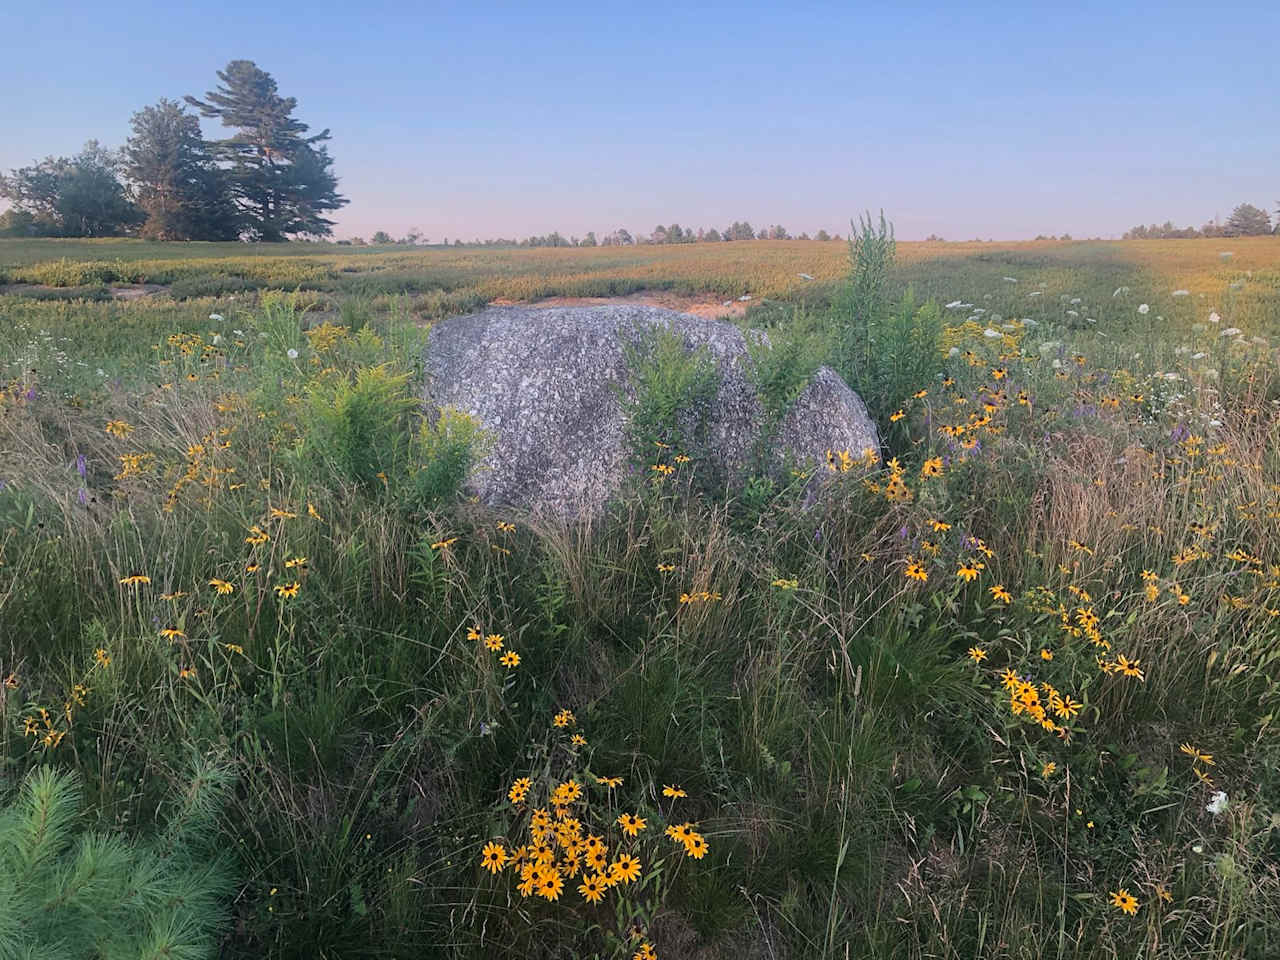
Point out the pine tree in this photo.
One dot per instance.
(180, 189)
(1246, 220)
(68, 892)
(281, 178)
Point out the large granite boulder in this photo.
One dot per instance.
(546, 384)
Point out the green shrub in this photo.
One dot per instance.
(69, 892)
(871, 254)
(443, 453)
(905, 355)
(358, 426)
(671, 389)
(781, 365)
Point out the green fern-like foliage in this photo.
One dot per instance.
(69, 892)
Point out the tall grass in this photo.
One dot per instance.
(844, 732)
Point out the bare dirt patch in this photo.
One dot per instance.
(135, 291)
(700, 306)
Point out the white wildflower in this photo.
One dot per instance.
(292, 354)
(1182, 293)
(1214, 318)
(953, 352)
(954, 304)
(1230, 332)
(215, 317)
(1011, 279)
(992, 334)
(1143, 309)
(1217, 803)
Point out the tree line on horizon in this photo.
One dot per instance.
(1246, 220)
(268, 181)
(740, 230)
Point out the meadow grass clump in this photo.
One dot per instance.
(1005, 689)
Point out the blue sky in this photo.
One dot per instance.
(474, 120)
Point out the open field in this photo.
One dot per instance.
(446, 280)
(1008, 692)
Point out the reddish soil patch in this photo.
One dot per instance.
(701, 306)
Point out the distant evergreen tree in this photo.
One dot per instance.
(822, 235)
(178, 186)
(280, 178)
(1247, 220)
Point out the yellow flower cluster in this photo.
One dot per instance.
(1025, 700)
(495, 642)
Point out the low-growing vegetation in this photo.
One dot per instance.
(1005, 689)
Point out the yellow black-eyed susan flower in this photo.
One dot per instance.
(1195, 754)
(631, 824)
(1124, 901)
(695, 845)
(593, 888)
(519, 790)
(625, 869)
(493, 857)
